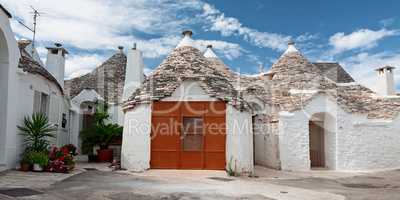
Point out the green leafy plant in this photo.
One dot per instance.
(36, 131)
(40, 158)
(100, 132)
(26, 158)
(231, 170)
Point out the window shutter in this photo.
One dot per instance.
(36, 102)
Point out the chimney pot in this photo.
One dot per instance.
(291, 42)
(134, 46)
(58, 44)
(386, 85)
(187, 33)
(209, 46)
(120, 47)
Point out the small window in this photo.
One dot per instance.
(64, 120)
(41, 103)
(192, 133)
(54, 51)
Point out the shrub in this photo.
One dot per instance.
(36, 131)
(39, 158)
(100, 132)
(71, 149)
(62, 159)
(231, 171)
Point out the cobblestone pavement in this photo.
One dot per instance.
(102, 183)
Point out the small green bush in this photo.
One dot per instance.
(231, 170)
(40, 158)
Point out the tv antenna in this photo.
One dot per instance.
(36, 14)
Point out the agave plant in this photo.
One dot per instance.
(36, 131)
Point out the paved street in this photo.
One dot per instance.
(102, 183)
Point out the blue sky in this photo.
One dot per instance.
(245, 34)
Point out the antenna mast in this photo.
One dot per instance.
(36, 14)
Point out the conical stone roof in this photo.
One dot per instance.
(107, 80)
(184, 63)
(294, 71)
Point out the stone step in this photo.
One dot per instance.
(3, 167)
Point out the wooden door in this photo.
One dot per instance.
(316, 140)
(165, 136)
(188, 135)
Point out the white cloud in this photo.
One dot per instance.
(225, 49)
(77, 65)
(363, 38)
(228, 26)
(93, 24)
(362, 67)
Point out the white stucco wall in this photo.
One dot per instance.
(9, 58)
(294, 134)
(266, 142)
(239, 140)
(116, 114)
(135, 153)
(352, 142)
(28, 84)
(365, 144)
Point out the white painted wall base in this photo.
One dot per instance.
(239, 140)
(135, 154)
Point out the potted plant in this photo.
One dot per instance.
(92, 157)
(36, 131)
(39, 160)
(25, 164)
(101, 133)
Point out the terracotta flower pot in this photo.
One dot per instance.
(105, 155)
(25, 167)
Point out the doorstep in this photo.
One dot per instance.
(3, 167)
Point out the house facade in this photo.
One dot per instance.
(29, 86)
(193, 112)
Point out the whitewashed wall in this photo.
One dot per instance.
(266, 142)
(365, 144)
(294, 134)
(135, 153)
(352, 142)
(239, 140)
(9, 58)
(28, 84)
(116, 114)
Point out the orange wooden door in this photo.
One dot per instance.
(165, 136)
(215, 136)
(188, 135)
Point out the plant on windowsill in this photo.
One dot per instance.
(101, 134)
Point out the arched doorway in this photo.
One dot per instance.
(4, 71)
(322, 137)
(87, 110)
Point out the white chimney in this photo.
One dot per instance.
(134, 72)
(385, 84)
(55, 62)
(187, 39)
(209, 53)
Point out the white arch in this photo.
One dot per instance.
(9, 59)
(4, 73)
